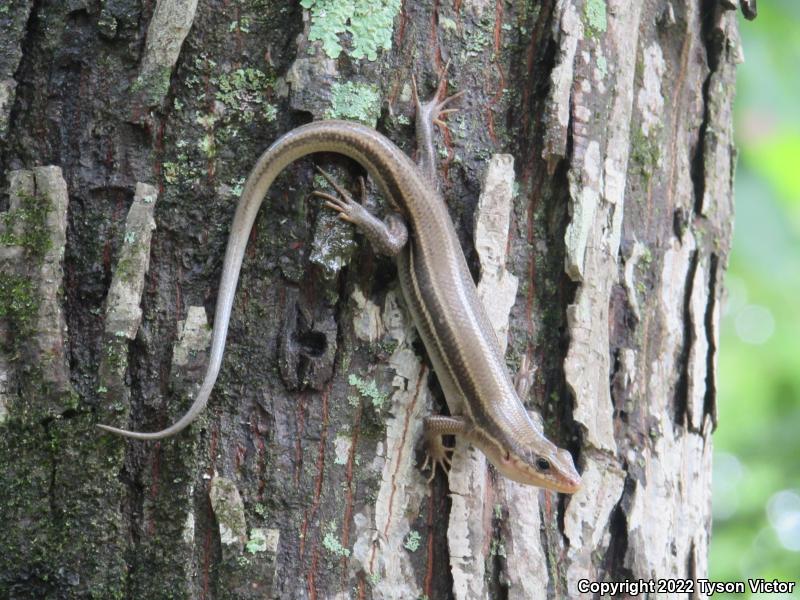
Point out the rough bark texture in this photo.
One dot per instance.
(589, 175)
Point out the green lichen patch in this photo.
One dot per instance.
(602, 66)
(497, 548)
(243, 25)
(412, 541)
(594, 12)
(480, 38)
(257, 542)
(26, 226)
(355, 102)
(332, 544)
(368, 23)
(19, 301)
(60, 510)
(227, 99)
(244, 90)
(181, 169)
(229, 511)
(369, 389)
(645, 153)
(153, 85)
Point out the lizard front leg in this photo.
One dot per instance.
(387, 237)
(437, 453)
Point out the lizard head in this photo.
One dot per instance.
(551, 468)
(540, 463)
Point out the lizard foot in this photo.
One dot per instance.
(437, 454)
(349, 210)
(434, 109)
(387, 237)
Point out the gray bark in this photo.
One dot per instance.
(589, 174)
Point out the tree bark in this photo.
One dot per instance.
(589, 175)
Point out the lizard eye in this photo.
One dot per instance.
(542, 464)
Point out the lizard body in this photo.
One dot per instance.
(437, 287)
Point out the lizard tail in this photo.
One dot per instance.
(360, 143)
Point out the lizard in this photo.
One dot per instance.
(436, 285)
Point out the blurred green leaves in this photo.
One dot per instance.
(777, 160)
(757, 461)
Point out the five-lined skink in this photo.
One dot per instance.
(437, 287)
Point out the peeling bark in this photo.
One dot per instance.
(589, 174)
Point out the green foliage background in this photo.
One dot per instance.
(757, 444)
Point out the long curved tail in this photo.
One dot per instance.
(380, 157)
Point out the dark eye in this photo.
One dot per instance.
(542, 464)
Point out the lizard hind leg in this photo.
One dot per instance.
(387, 237)
(428, 114)
(433, 109)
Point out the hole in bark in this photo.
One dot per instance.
(617, 387)
(613, 563)
(312, 343)
(713, 46)
(691, 566)
(710, 399)
(682, 387)
(498, 586)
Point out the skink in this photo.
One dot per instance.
(437, 287)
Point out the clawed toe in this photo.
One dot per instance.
(441, 457)
(326, 196)
(434, 109)
(448, 100)
(334, 184)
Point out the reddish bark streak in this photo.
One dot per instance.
(311, 513)
(348, 504)
(178, 293)
(311, 581)
(298, 445)
(490, 124)
(488, 509)
(207, 550)
(257, 432)
(251, 245)
(107, 256)
(401, 26)
(437, 51)
(400, 446)
(406, 422)
(409, 411)
(428, 583)
(238, 33)
(527, 91)
(530, 237)
(241, 453)
(499, 13)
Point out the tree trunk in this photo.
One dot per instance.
(589, 175)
